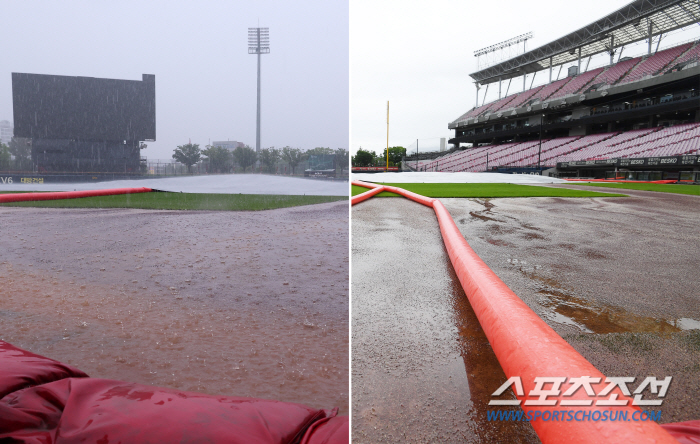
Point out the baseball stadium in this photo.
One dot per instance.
(538, 281)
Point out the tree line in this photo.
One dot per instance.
(366, 158)
(221, 160)
(17, 156)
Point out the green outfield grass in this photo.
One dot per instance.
(185, 201)
(661, 187)
(484, 190)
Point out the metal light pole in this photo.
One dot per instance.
(258, 43)
(387, 135)
(539, 153)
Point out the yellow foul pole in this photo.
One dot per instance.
(387, 135)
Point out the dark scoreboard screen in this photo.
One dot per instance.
(83, 108)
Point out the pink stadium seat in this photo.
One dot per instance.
(693, 53)
(616, 71)
(577, 83)
(546, 91)
(654, 63)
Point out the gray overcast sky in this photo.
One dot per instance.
(205, 79)
(418, 55)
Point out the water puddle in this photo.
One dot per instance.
(591, 317)
(687, 324)
(498, 242)
(478, 215)
(208, 345)
(488, 205)
(484, 373)
(423, 369)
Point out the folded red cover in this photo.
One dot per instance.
(44, 401)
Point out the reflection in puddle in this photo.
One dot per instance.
(561, 319)
(687, 324)
(423, 369)
(484, 373)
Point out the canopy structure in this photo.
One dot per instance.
(632, 23)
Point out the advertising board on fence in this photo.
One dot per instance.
(667, 161)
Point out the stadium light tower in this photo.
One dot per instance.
(258, 43)
(497, 53)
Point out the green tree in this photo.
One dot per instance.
(5, 157)
(363, 158)
(341, 159)
(245, 156)
(396, 153)
(188, 155)
(21, 148)
(269, 157)
(219, 158)
(293, 156)
(320, 150)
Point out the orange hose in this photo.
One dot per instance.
(527, 347)
(30, 197)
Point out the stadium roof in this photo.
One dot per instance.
(628, 24)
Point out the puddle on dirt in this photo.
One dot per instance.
(498, 229)
(533, 236)
(591, 317)
(484, 373)
(498, 242)
(592, 254)
(165, 340)
(423, 370)
(481, 216)
(488, 205)
(687, 324)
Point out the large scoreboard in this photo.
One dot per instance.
(84, 124)
(84, 108)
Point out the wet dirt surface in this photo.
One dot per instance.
(232, 303)
(422, 368)
(618, 278)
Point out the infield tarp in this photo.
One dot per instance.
(432, 177)
(218, 184)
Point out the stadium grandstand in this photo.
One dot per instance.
(637, 114)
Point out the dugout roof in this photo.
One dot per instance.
(628, 24)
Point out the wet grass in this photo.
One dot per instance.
(485, 190)
(185, 201)
(662, 188)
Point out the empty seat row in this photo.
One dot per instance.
(654, 63)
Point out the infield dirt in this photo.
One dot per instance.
(232, 303)
(616, 277)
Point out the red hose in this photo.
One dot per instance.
(366, 195)
(622, 181)
(30, 197)
(527, 347)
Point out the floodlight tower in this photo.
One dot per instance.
(258, 43)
